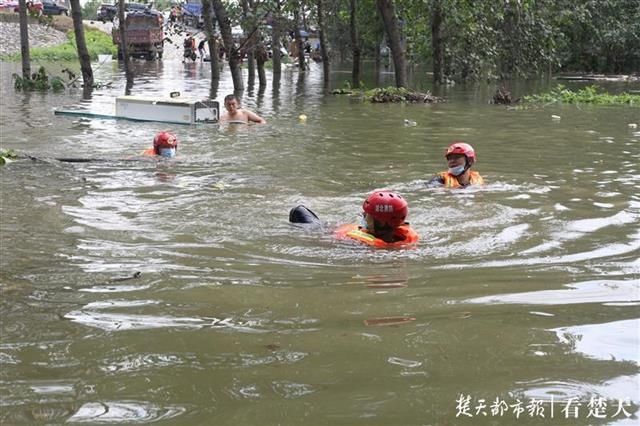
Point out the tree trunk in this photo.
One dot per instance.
(124, 48)
(437, 44)
(261, 57)
(323, 45)
(81, 44)
(247, 24)
(302, 64)
(388, 13)
(355, 46)
(251, 67)
(276, 35)
(209, 29)
(24, 40)
(227, 38)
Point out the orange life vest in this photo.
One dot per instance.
(450, 181)
(149, 152)
(405, 235)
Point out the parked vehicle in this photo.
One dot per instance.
(145, 37)
(108, 12)
(50, 7)
(135, 7)
(192, 14)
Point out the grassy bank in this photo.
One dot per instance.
(98, 43)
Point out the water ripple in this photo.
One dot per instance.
(129, 412)
(597, 291)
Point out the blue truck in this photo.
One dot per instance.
(192, 13)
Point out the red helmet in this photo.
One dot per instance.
(464, 149)
(386, 207)
(164, 140)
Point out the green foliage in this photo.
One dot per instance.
(588, 95)
(90, 9)
(488, 39)
(163, 4)
(98, 43)
(7, 156)
(39, 81)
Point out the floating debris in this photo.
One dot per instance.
(400, 94)
(387, 285)
(385, 321)
(503, 97)
(342, 92)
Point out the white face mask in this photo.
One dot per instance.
(167, 152)
(456, 171)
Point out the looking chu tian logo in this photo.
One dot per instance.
(384, 208)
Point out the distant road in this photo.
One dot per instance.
(173, 38)
(102, 26)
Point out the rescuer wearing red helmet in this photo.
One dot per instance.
(384, 211)
(165, 144)
(384, 214)
(460, 157)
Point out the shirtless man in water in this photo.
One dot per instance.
(235, 114)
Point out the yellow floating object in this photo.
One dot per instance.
(302, 117)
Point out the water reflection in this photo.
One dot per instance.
(616, 341)
(599, 291)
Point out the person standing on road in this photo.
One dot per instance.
(189, 45)
(201, 49)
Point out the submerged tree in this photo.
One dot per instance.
(437, 42)
(276, 35)
(24, 40)
(249, 31)
(302, 64)
(323, 44)
(209, 30)
(123, 49)
(81, 44)
(233, 54)
(355, 43)
(388, 13)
